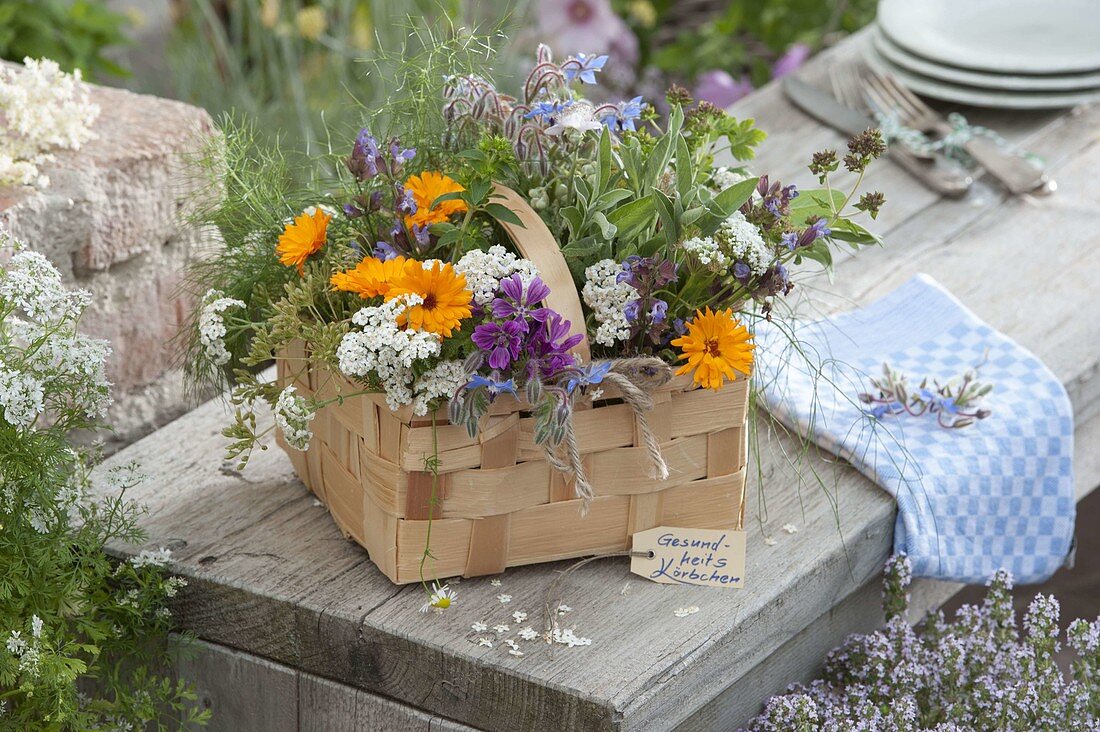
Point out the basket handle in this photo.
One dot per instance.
(535, 242)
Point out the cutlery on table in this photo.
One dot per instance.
(945, 179)
(887, 95)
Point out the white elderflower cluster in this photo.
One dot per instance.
(292, 417)
(608, 299)
(485, 269)
(21, 398)
(707, 251)
(151, 558)
(742, 241)
(384, 350)
(41, 109)
(724, 177)
(442, 380)
(212, 325)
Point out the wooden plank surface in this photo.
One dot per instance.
(273, 576)
(246, 693)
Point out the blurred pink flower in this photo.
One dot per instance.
(587, 26)
(791, 60)
(721, 89)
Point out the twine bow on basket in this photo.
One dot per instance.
(636, 378)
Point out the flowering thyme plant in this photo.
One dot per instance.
(953, 403)
(977, 672)
(83, 638)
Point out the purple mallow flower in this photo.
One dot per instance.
(791, 60)
(721, 89)
(522, 302)
(548, 348)
(502, 341)
(583, 66)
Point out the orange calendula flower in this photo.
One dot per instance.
(427, 187)
(371, 277)
(446, 297)
(715, 346)
(302, 237)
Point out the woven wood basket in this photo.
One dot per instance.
(498, 502)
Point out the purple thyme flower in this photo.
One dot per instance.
(522, 302)
(503, 341)
(583, 66)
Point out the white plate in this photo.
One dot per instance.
(1005, 36)
(952, 74)
(975, 96)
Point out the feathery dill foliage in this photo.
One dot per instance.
(83, 638)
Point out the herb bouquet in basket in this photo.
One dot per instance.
(513, 330)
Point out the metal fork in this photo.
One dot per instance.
(888, 95)
(932, 170)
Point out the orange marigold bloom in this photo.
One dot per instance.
(371, 277)
(446, 297)
(715, 346)
(427, 187)
(302, 237)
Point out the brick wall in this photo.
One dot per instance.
(111, 221)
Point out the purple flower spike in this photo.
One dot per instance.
(548, 349)
(503, 342)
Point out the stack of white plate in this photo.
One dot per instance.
(1012, 54)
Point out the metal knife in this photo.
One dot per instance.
(938, 175)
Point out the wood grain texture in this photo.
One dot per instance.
(273, 576)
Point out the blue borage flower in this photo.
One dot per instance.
(583, 66)
(622, 116)
(548, 112)
(588, 375)
(495, 387)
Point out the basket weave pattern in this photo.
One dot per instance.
(498, 502)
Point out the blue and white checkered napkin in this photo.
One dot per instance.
(996, 494)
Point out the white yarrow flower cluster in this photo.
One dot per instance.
(707, 251)
(385, 350)
(212, 325)
(442, 380)
(292, 417)
(608, 299)
(742, 241)
(41, 109)
(484, 269)
(724, 177)
(151, 558)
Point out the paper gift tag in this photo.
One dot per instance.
(690, 556)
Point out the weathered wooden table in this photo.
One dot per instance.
(299, 631)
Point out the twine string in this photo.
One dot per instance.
(635, 378)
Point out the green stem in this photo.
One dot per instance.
(432, 465)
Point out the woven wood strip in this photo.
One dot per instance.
(488, 546)
(419, 504)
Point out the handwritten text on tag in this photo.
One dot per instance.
(690, 556)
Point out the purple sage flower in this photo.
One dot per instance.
(741, 271)
(721, 89)
(503, 341)
(385, 251)
(365, 161)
